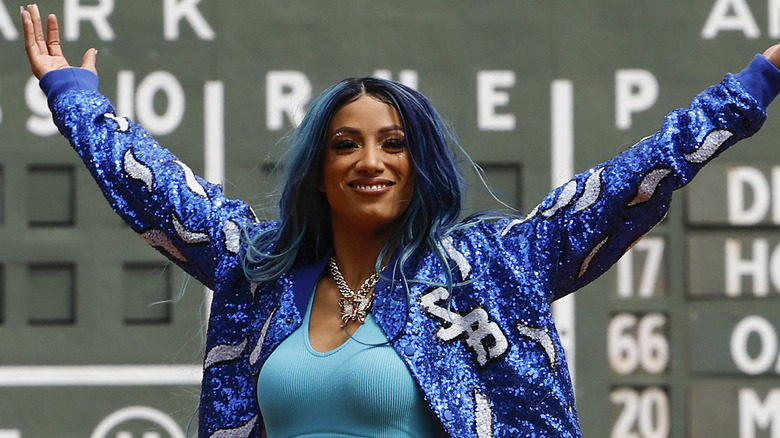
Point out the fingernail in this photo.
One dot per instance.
(34, 12)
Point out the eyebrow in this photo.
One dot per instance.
(351, 130)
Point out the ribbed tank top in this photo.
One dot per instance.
(360, 389)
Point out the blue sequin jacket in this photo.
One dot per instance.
(491, 365)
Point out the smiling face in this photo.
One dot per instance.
(367, 176)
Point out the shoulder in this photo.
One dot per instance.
(484, 238)
(486, 228)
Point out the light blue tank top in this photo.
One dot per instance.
(355, 390)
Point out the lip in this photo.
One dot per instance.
(371, 186)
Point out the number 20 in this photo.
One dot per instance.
(645, 414)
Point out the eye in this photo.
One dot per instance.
(344, 145)
(394, 145)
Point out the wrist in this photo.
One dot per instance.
(59, 81)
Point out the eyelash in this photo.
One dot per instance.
(394, 143)
(391, 144)
(344, 145)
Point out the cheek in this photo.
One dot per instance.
(409, 172)
(324, 182)
(409, 182)
(404, 166)
(410, 187)
(325, 173)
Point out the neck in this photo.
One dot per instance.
(356, 253)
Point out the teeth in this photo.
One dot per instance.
(374, 187)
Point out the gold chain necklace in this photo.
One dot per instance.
(354, 304)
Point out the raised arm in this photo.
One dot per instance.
(598, 215)
(184, 217)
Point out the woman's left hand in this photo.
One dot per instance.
(773, 55)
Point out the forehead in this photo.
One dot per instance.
(365, 113)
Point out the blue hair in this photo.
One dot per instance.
(303, 234)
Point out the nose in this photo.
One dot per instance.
(370, 160)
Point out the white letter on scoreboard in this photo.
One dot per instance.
(720, 19)
(635, 91)
(176, 10)
(757, 267)
(741, 179)
(97, 14)
(8, 29)
(287, 92)
(753, 414)
(489, 97)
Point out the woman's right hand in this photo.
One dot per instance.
(45, 53)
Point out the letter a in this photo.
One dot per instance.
(720, 19)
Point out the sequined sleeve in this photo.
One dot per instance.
(589, 222)
(187, 219)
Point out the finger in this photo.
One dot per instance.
(53, 36)
(35, 14)
(29, 34)
(89, 61)
(34, 11)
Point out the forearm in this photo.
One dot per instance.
(616, 203)
(184, 217)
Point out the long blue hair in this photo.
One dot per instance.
(303, 234)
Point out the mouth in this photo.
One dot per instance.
(371, 187)
(376, 186)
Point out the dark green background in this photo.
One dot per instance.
(75, 282)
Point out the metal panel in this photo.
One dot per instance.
(489, 68)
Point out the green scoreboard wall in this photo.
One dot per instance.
(100, 337)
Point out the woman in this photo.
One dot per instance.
(368, 309)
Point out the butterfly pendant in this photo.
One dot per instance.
(354, 309)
